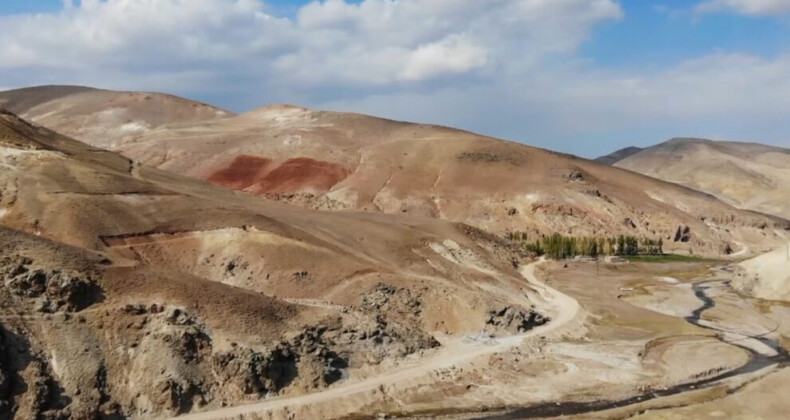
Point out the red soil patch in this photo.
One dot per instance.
(244, 171)
(301, 174)
(264, 176)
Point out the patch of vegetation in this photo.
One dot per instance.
(560, 247)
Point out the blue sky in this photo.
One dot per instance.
(579, 76)
(652, 35)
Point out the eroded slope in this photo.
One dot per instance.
(343, 161)
(103, 118)
(129, 291)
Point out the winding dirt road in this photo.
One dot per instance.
(564, 310)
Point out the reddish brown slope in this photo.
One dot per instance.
(396, 167)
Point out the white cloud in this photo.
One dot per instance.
(372, 43)
(454, 54)
(730, 96)
(747, 7)
(503, 67)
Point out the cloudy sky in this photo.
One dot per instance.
(579, 76)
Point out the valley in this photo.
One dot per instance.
(136, 286)
(611, 356)
(394, 209)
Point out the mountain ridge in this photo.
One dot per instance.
(752, 176)
(352, 162)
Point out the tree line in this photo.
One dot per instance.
(558, 246)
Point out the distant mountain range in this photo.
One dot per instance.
(618, 155)
(747, 175)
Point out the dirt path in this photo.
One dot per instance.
(315, 303)
(741, 252)
(564, 309)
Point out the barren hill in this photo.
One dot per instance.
(747, 175)
(103, 118)
(132, 292)
(618, 155)
(342, 161)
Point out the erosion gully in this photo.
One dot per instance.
(756, 362)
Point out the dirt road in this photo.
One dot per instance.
(564, 310)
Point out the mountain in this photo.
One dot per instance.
(618, 155)
(103, 118)
(132, 292)
(352, 162)
(746, 175)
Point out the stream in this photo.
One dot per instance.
(756, 362)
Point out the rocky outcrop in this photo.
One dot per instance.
(387, 299)
(683, 234)
(5, 383)
(394, 324)
(52, 289)
(514, 320)
(27, 387)
(307, 358)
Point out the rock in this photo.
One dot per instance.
(576, 175)
(176, 316)
(683, 234)
(514, 320)
(51, 289)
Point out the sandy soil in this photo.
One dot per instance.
(622, 352)
(765, 398)
(767, 276)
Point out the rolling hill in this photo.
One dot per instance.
(746, 175)
(618, 155)
(103, 118)
(341, 161)
(352, 162)
(133, 292)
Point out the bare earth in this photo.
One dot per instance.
(351, 162)
(563, 308)
(747, 175)
(129, 291)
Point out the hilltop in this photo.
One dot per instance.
(746, 175)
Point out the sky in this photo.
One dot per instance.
(579, 76)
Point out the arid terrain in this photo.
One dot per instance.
(747, 175)
(103, 118)
(295, 264)
(352, 162)
(131, 290)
